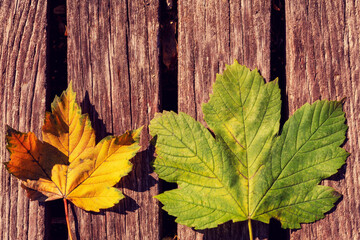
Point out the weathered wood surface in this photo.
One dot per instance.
(113, 63)
(113, 60)
(22, 94)
(322, 55)
(210, 35)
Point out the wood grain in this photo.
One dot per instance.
(113, 63)
(322, 54)
(212, 34)
(113, 60)
(22, 93)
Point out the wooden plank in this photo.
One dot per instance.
(210, 35)
(322, 54)
(113, 64)
(22, 66)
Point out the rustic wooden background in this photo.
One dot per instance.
(130, 59)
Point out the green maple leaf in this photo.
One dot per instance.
(249, 170)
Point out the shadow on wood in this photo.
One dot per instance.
(238, 230)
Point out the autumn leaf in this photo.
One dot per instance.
(249, 170)
(67, 164)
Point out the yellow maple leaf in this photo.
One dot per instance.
(67, 164)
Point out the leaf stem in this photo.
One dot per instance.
(67, 218)
(250, 229)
